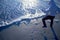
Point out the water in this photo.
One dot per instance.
(16, 10)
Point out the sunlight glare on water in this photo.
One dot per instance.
(21, 9)
(29, 3)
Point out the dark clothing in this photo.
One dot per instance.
(51, 12)
(46, 18)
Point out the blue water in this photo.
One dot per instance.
(12, 11)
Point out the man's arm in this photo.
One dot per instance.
(58, 10)
(46, 10)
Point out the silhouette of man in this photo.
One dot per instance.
(52, 10)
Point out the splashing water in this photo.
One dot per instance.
(16, 10)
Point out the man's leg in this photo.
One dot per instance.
(44, 23)
(43, 20)
(51, 24)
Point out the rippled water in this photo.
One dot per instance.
(16, 10)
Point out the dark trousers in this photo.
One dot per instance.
(46, 18)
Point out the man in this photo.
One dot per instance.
(51, 13)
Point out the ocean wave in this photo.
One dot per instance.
(25, 17)
(16, 10)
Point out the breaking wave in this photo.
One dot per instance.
(16, 10)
